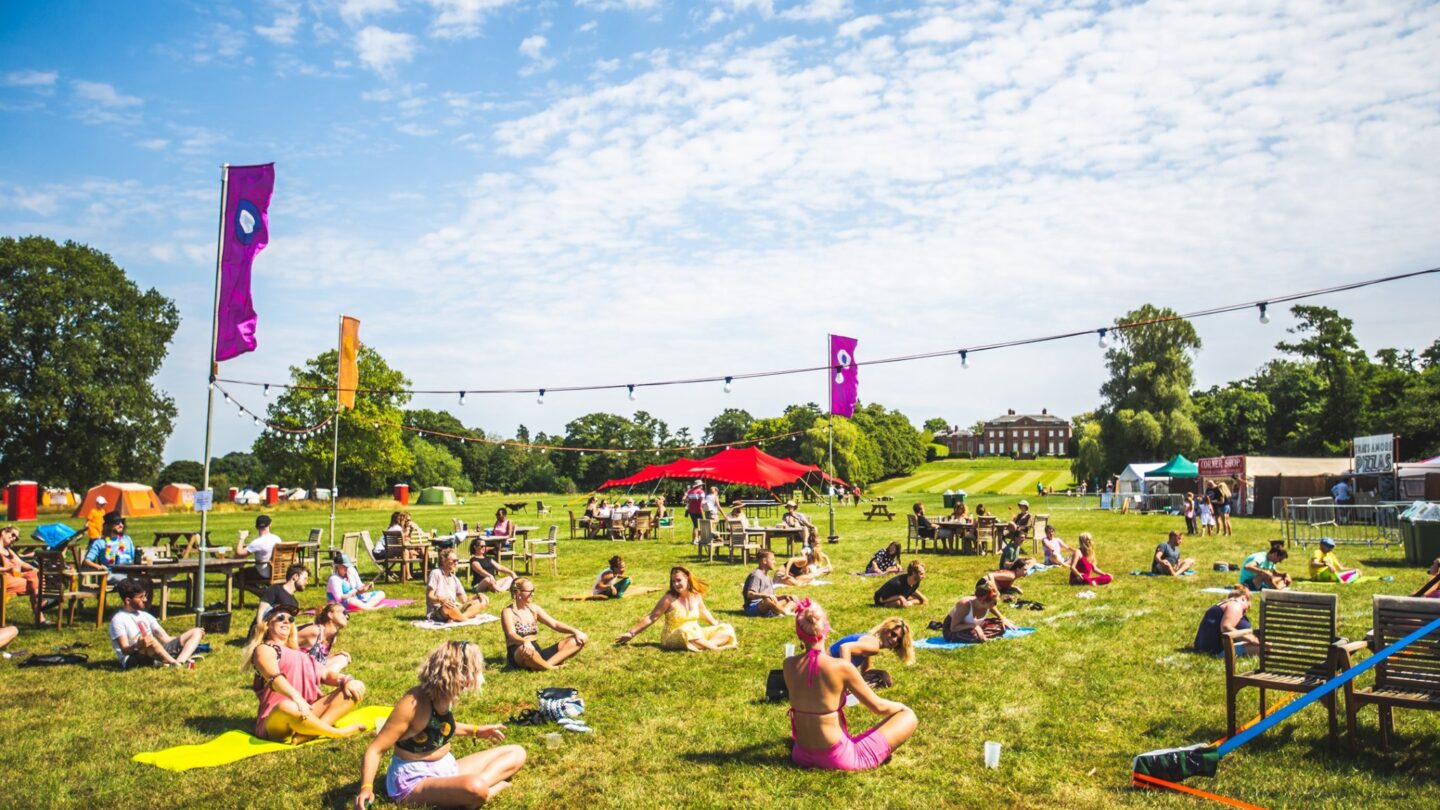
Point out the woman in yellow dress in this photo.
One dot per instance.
(683, 607)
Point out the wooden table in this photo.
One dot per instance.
(163, 572)
(174, 539)
(763, 508)
(880, 510)
(790, 533)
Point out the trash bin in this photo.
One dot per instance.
(959, 496)
(949, 500)
(1427, 542)
(20, 502)
(1420, 533)
(402, 493)
(272, 494)
(234, 492)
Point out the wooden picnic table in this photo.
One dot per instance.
(792, 534)
(176, 540)
(162, 573)
(760, 508)
(880, 510)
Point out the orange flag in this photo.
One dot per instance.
(349, 370)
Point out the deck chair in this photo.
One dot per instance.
(1409, 679)
(350, 546)
(1298, 651)
(1037, 531)
(547, 549)
(1429, 587)
(737, 539)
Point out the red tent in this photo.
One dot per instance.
(749, 466)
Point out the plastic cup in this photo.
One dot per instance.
(789, 650)
(992, 754)
(552, 740)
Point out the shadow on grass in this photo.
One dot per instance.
(217, 724)
(762, 753)
(343, 796)
(1388, 562)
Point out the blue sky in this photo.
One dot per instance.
(527, 194)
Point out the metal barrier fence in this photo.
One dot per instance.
(1368, 524)
(1148, 502)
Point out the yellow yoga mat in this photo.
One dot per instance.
(233, 746)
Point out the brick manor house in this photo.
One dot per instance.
(1014, 434)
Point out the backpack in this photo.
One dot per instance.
(560, 703)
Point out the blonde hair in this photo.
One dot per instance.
(696, 584)
(515, 585)
(1087, 544)
(905, 640)
(261, 635)
(452, 669)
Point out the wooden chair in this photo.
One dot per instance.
(615, 529)
(736, 538)
(541, 508)
(282, 557)
(1410, 679)
(1298, 651)
(350, 546)
(709, 540)
(1425, 590)
(391, 561)
(503, 548)
(547, 549)
(987, 534)
(641, 527)
(912, 533)
(457, 524)
(1037, 531)
(67, 585)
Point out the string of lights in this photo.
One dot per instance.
(728, 380)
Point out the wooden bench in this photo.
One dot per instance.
(880, 510)
(1409, 679)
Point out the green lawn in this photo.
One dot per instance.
(1102, 680)
(982, 476)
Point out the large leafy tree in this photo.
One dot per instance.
(79, 342)
(435, 466)
(730, 425)
(1233, 419)
(372, 451)
(901, 446)
(1146, 412)
(1327, 341)
(181, 472)
(608, 431)
(857, 457)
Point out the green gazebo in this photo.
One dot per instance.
(1177, 467)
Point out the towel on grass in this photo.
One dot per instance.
(811, 582)
(1189, 573)
(483, 618)
(383, 603)
(233, 746)
(871, 574)
(1041, 568)
(939, 643)
(1214, 590)
(594, 597)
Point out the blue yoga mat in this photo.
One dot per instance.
(1189, 573)
(939, 643)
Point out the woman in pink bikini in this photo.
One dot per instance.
(818, 684)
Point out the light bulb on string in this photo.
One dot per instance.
(1264, 316)
(1103, 343)
(632, 392)
(964, 359)
(540, 397)
(839, 375)
(226, 394)
(728, 386)
(267, 389)
(257, 420)
(462, 397)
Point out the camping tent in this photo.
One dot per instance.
(57, 496)
(747, 466)
(1177, 467)
(177, 495)
(436, 495)
(130, 500)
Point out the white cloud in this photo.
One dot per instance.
(817, 10)
(458, 19)
(533, 46)
(356, 11)
(941, 28)
(765, 8)
(380, 50)
(620, 5)
(282, 30)
(102, 94)
(40, 80)
(155, 144)
(588, 27)
(858, 26)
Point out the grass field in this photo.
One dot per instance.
(1100, 681)
(982, 476)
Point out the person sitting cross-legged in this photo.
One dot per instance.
(1259, 569)
(903, 590)
(445, 597)
(521, 621)
(612, 582)
(817, 683)
(297, 577)
(1167, 562)
(1084, 569)
(683, 608)
(287, 686)
(318, 641)
(423, 772)
(885, 561)
(1055, 548)
(344, 586)
(976, 618)
(758, 592)
(139, 640)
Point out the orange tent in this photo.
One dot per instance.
(131, 500)
(177, 495)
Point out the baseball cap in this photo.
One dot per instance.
(100, 500)
(1326, 542)
(262, 521)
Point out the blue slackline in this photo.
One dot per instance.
(1329, 686)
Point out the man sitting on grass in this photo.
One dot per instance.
(904, 590)
(1167, 562)
(1259, 571)
(759, 590)
(140, 640)
(445, 597)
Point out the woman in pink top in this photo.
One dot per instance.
(817, 683)
(287, 683)
(1083, 570)
(504, 526)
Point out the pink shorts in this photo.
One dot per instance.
(862, 753)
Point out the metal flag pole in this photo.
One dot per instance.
(213, 369)
(830, 434)
(335, 449)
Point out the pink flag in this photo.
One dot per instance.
(845, 381)
(246, 231)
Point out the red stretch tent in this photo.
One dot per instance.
(748, 466)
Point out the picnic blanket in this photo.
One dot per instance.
(939, 643)
(1189, 573)
(233, 746)
(483, 618)
(383, 603)
(1214, 590)
(870, 574)
(811, 582)
(595, 597)
(1041, 568)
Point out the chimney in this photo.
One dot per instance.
(1011, 412)
(1044, 411)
